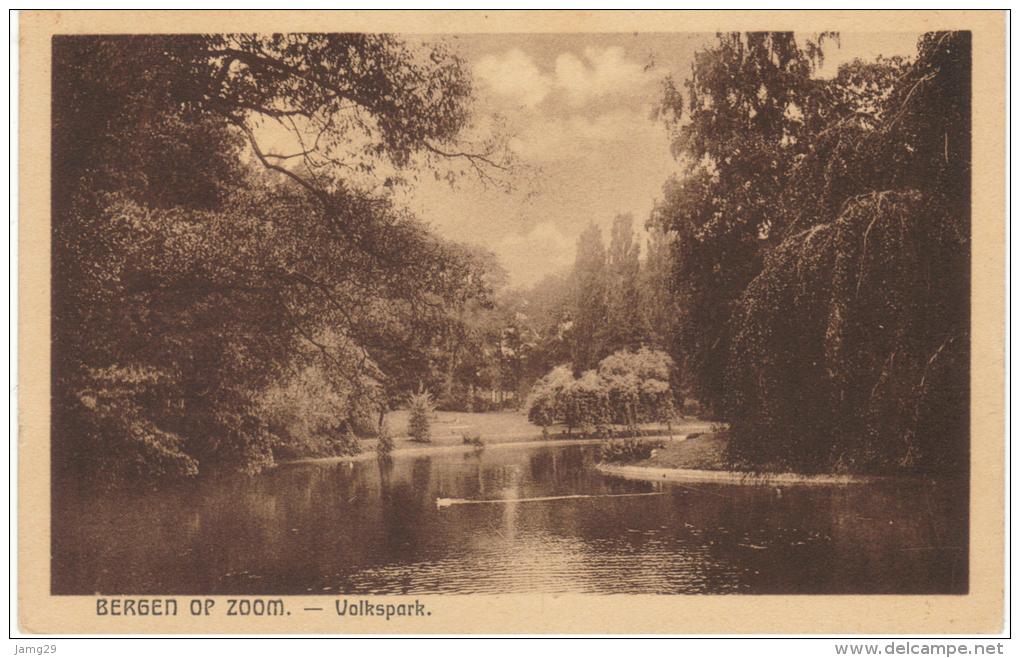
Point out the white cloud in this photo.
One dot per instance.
(598, 73)
(575, 136)
(603, 73)
(515, 75)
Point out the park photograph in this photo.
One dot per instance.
(356, 313)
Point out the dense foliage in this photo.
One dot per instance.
(627, 388)
(611, 300)
(626, 450)
(820, 248)
(420, 423)
(216, 304)
(222, 297)
(384, 446)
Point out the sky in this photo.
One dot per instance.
(581, 112)
(580, 108)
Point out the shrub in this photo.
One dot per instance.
(313, 415)
(589, 408)
(419, 426)
(691, 407)
(348, 444)
(637, 385)
(626, 450)
(457, 400)
(384, 448)
(628, 388)
(364, 419)
(462, 400)
(548, 396)
(474, 440)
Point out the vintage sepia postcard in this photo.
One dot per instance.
(511, 322)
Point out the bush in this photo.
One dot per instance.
(628, 388)
(473, 440)
(364, 419)
(121, 443)
(347, 444)
(481, 404)
(626, 450)
(637, 384)
(547, 401)
(420, 427)
(462, 400)
(691, 407)
(457, 400)
(384, 448)
(314, 416)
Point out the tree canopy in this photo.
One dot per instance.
(205, 288)
(234, 282)
(820, 245)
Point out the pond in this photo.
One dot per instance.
(332, 527)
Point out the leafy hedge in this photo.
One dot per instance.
(627, 388)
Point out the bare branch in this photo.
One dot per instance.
(265, 61)
(318, 193)
(288, 157)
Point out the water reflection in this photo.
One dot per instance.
(358, 528)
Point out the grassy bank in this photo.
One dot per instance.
(701, 458)
(700, 451)
(448, 430)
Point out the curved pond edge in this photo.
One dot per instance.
(652, 474)
(426, 449)
(645, 473)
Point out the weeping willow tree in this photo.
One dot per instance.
(838, 275)
(841, 358)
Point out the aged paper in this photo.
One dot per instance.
(176, 560)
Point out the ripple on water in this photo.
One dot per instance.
(355, 529)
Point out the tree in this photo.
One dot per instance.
(203, 285)
(869, 319)
(656, 290)
(589, 300)
(541, 322)
(821, 252)
(420, 423)
(626, 325)
(737, 133)
(627, 388)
